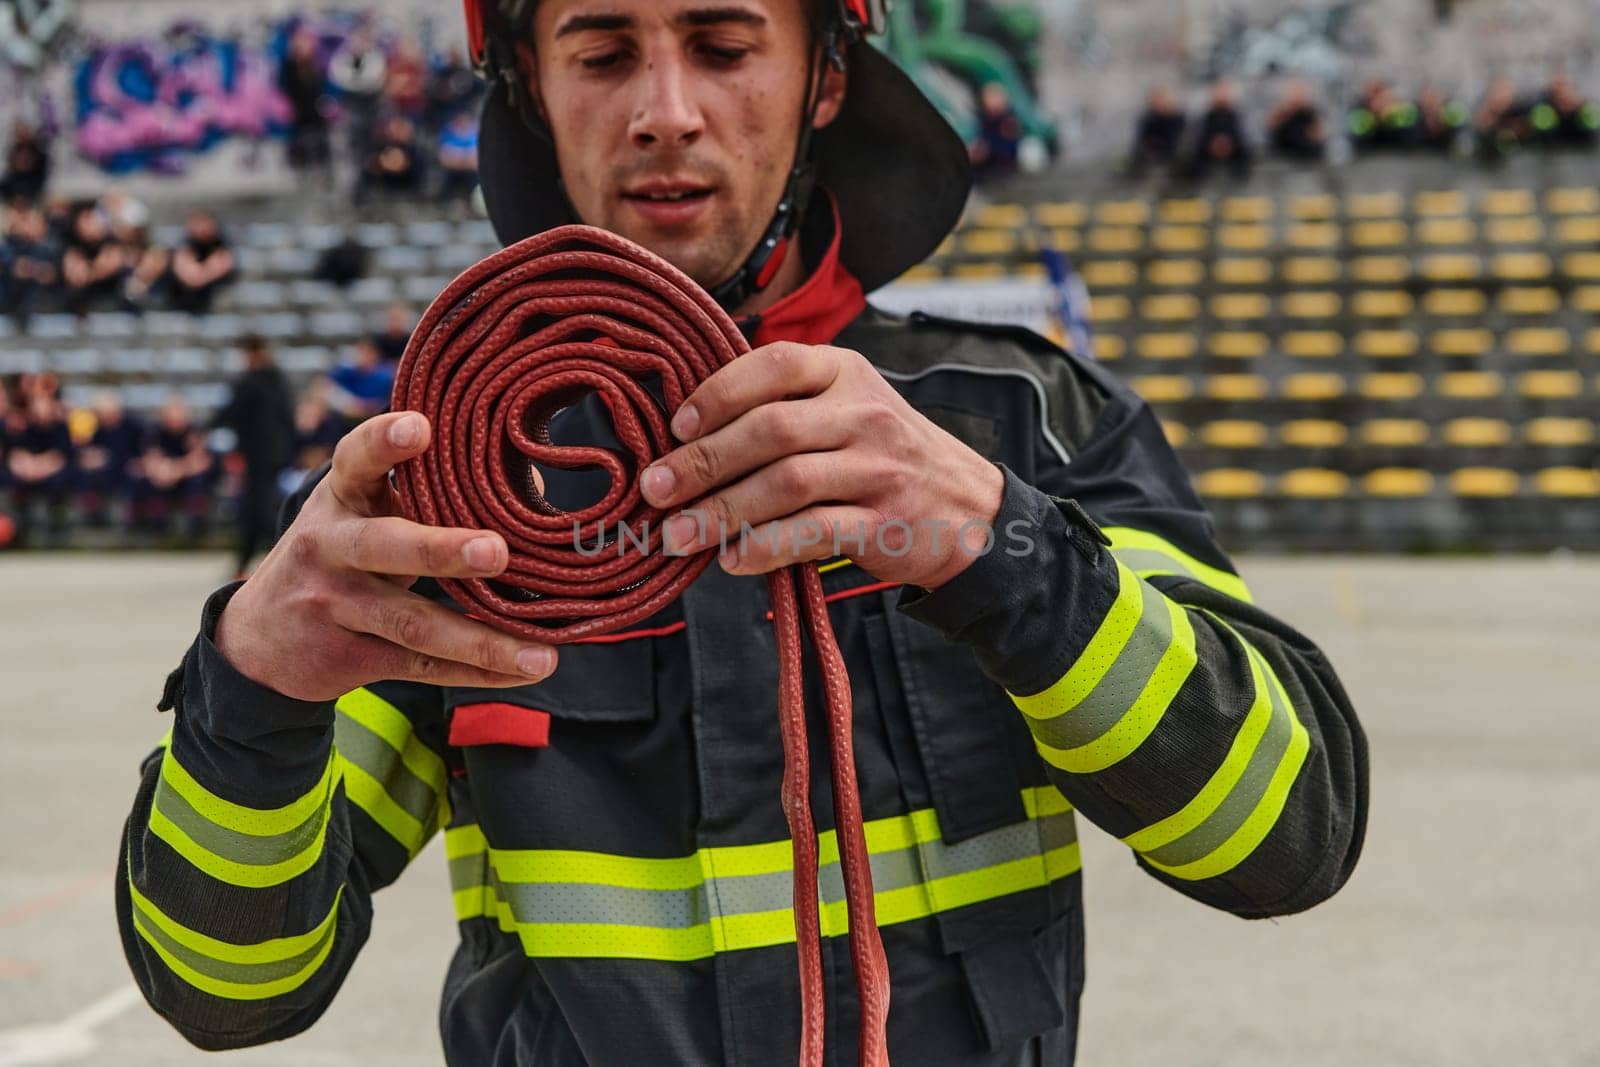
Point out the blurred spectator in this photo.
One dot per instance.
(363, 384)
(1222, 141)
(405, 83)
(1294, 127)
(301, 81)
(994, 152)
(342, 263)
(201, 265)
(396, 332)
(27, 165)
(393, 165)
(1439, 120)
(260, 414)
(1381, 120)
(124, 213)
(1159, 136)
(93, 265)
(59, 214)
(453, 87)
(31, 274)
(1502, 125)
(358, 71)
(147, 268)
(1563, 118)
(175, 472)
(38, 462)
(318, 428)
(458, 158)
(107, 462)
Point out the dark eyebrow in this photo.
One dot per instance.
(712, 16)
(580, 23)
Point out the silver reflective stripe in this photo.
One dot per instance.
(371, 753)
(242, 973)
(259, 851)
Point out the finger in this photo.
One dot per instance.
(812, 534)
(401, 664)
(781, 488)
(772, 372)
(753, 440)
(364, 456)
(436, 635)
(396, 546)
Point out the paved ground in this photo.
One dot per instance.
(1468, 936)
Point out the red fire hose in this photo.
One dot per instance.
(515, 339)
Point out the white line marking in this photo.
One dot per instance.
(70, 1039)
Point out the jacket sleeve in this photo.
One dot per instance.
(260, 830)
(1208, 735)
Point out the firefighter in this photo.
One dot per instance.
(617, 849)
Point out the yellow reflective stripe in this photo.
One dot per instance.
(1146, 712)
(1044, 800)
(838, 564)
(1238, 847)
(391, 724)
(257, 822)
(367, 793)
(1097, 657)
(597, 868)
(1178, 562)
(465, 840)
(1222, 782)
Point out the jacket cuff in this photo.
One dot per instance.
(1032, 602)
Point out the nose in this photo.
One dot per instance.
(665, 114)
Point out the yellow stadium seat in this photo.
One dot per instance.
(1446, 202)
(1514, 231)
(1469, 385)
(1567, 482)
(1313, 386)
(1522, 266)
(1123, 212)
(1530, 300)
(1447, 231)
(1583, 266)
(1244, 238)
(1238, 270)
(1240, 305)
(1391, 386)
(1312, 344)
(1550, 385)
(1508, 202)
(1236, 387)
(1247, 209)
(1234, 433)
(1553, 432)
(1386, 233)
(1324, 206)
(1116, 239)
(1317, 304)
(1108, 309)
(923, 272)
(1230, 483)
(1467, 343)
(1065, 240)
(989, 243)
(1311, 270)
(1163, 388)
(1374, 205)
(1109, 274)
(1191, 212)
(1165, 345)
(1380, 270)
(1313, 433)
(978, 271)
(1477, 433)
(1452, 268)
(1236, 344)
(1484, 483)
(1398, 483)
(1177, 433)
(1382, 303)
(1547, 341)
(947, 247)
(1108, 347)
(1591, 342)
(1582, 200)
(1170, 307)
(1394, 433)
(1455, 303)
(1180, 238)
(1059, 214)
(1314, 483)
(1314, 235)
(1176, 272)
(1578, 231)
(1002, 216)
(1585, 298)
(1029, 269)
(1387, 344)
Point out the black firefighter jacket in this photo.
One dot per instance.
(617, 851)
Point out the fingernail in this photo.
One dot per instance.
(686, 423)
(406, 432)
(657, 482)
(678, 533)
(481, 553)
(729, 559)
(536, 662)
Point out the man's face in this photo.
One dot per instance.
(675, 121)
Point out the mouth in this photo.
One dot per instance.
(668, 202)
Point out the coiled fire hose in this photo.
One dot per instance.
(507, 345)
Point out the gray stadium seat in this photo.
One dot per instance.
(268, 234)
(186, 362)
(400, 259)
(77, 362)
(111, 324)
(206, 396)
(378, 234)
(308, 293)
(277, 325)
(145, 396)
(122, 360)
(221, 326)
(306, 359)
(292, 262)
(53, 327)
(331, 327)
(422, 290)
(456, 258)
(368, 292)
(429, 234)
(319, 235)
(174, 325)
(168, 236)
(476, 232)
(21, 361)
(258, 295)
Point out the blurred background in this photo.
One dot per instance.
(1350, 251)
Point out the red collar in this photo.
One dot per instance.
(826, 302)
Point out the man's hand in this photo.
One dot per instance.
(329, 608)
(813, 450)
